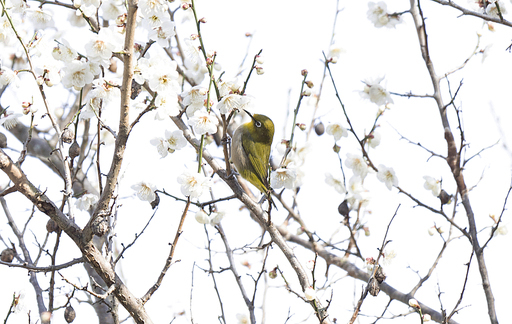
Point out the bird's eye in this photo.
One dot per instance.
(257, 123)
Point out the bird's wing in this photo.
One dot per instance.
(258, 161)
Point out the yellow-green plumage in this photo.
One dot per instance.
(250, 150)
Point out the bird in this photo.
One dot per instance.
(250, 151)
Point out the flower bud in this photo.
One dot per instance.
(259, 70)
(426, 318)
(185, 6)
(310, 293)
(306, 92)
(259, 59)
(202, 217)
(202, 20)
(310, 84)
(273, 274)
(414, 303)
(336, 149)
(304, 72)
(301, 126)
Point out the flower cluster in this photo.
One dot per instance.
(378, 15)
(376, 92)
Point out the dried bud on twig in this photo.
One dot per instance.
(68, 136)
(319, 129)
(7, 255)
(69, 314)
(52, 227)
(74, 150)
(3, 140)
(373, 287)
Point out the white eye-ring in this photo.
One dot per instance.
(258, 124)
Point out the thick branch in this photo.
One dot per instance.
(355, 272)
(132, 304)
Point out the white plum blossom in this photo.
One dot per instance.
(375, 92)
(355, 185)
(87, 7)
(171, 142)
(194, 99)
(195, 70)
(501, 230)
(92, 107)
(283, 177)
(77, 74)
(242, 319)
(64, 52)
(310, 293)
(112, 9)
(76, 19)
(204, 123)
(167, 105)
(18, 6)
(163, 77)
(9, 119)
(216, 217)
(374, 139)
(378, 15)
(49, 71)
(336, 130)
(336, 183)
(145, 191)
(8, 76)
(100, 48)
(229, 102)
(193, 184)
(192, 51)
(40, 18)
(227, 87)
(433, 185)
(7, 34)
(492, 9)
(106, 90)
(335, 52)
(388, 176)
(427, 318)
(163, 33)
(202, 217)
(194, 96)
(149, 8)
(247, 102)
(86, 201)
(357, 164)
(388, 257)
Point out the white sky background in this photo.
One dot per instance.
(293, 35)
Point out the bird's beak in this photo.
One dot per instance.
(248, 113)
